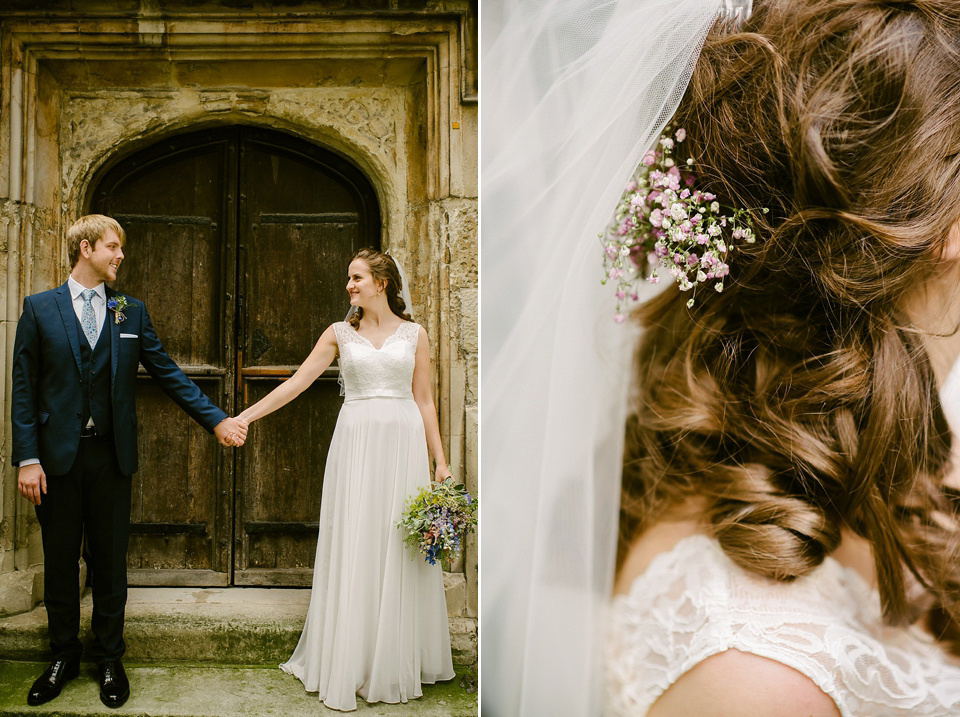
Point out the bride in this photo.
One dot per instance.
(788, 543)
(377, 622)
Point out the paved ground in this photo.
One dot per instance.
(208, 652)
(214, 691)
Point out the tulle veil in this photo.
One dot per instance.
(574, 91)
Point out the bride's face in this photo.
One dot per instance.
(934, 308)
(361, 285)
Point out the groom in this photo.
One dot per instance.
(75, 441)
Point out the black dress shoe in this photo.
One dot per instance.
(51, 682)
(114, 686)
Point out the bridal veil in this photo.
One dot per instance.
(574, 92)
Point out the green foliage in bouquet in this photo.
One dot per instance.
(437, 519)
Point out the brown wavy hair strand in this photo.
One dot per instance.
(802, 399)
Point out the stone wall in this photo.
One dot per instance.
(386, 85)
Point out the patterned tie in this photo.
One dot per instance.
(88, 317)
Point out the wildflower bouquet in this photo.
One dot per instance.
(437, 518)
(664, 223)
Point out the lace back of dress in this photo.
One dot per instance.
(694, 602)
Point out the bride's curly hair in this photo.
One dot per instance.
(383, 268)
(801, 399)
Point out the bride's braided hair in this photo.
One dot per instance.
(383, 268)
(801, 399)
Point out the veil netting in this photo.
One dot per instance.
(574, 92)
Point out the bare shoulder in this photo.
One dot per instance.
(739, 684)
(660, 537)
(329, 337)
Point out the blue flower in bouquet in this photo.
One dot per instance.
(436, 518)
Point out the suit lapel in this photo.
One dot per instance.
(114, 329)
(69, 316)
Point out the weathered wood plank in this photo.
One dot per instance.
(307, 213)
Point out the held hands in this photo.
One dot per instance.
(441, 474)
(32, 481)
(231, 432)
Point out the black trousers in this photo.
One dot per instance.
(93, 498)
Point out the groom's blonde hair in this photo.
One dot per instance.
(92, 228)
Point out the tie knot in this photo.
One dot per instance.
(88, 295)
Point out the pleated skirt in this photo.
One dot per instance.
(377, 622)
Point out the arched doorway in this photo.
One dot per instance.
(238, 240)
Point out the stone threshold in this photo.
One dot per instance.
(226, 626)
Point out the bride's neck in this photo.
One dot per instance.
(934, 308)
(686, 519)
(374, 316)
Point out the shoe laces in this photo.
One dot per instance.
(109, 672)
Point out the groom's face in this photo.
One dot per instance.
(105, 256)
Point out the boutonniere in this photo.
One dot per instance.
(117, 304)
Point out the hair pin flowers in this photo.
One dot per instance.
(117, 304)
(663, 222)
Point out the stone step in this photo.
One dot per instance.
(215, 691)
(228, 626)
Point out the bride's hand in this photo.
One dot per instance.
(231, 432)
(240, 437)
(441, 474)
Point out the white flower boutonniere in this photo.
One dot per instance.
(117, 304)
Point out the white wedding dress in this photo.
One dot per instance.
(377, 622)
(693, 602)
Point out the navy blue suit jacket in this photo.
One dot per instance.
(47, 393)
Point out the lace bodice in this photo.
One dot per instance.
(366, 371)
(694, 602)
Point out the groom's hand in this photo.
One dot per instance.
(32, 481)
(231, 432)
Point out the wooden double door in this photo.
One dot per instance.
(238, 241)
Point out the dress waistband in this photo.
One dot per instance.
(377, 393)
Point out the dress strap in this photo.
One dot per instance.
(346, 334)
(410, 332)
